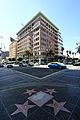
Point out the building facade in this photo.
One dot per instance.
(13, 48)
(39, 36)
(60, 45)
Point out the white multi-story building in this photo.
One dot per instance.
(39, 35)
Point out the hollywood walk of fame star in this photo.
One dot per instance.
(23, 108)
(58, 106)
(29, 91)
(50, 91)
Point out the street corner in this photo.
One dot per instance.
(42, 103)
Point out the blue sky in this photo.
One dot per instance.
(65, 14)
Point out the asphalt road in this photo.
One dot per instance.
(63, 94)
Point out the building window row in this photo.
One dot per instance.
(28, 29)
(36, 44)
(22, 38)
(61, 40)
(35, 21)
(43, 21)
(36, 29)
(48, 25)
(43, 24)
(36, 34)
(37, 48)
(44, 44)
(43, 34)
(56, 45)
(49, 33)
(36, 39)
(60, 43)
(43, 39)
(36, 25)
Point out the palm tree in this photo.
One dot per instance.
(69, 52)
(62, 49)
(73, 54)
(78, 51)
(78, 47)
(67, 55)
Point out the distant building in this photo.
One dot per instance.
(5, 54)
(13, 48)
(39, 35)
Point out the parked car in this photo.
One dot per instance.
(9, 66)
(69, 63)
(76, 64)
(31, 64)
(36, 64)
(56, 65)
(23, 64)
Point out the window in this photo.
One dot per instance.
(43, 44)
(37, 33)
(43, 34)
(43, 39)
(36, 39)
(36, 44)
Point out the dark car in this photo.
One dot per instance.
(9, 66)
(56, 65)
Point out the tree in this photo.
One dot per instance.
(62, 49)
(78, 51)
(50, 54)
(67, 53)
(73, 54)
(10, 59)
(78, 47)
(27, 54)
(13, 59)
(19, 59)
